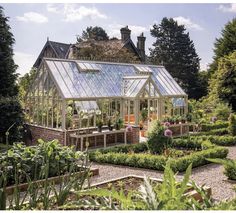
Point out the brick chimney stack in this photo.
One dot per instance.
(125, 33)
(141, 46)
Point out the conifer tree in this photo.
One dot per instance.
(175, 50)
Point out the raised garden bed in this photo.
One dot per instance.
(24, 186)
(130, 183)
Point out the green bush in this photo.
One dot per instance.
(157, 141)
(217, 125)
(10, 113)
(157, 162)
(224, 140)
(222, 131)
(192, 143)
(232, 125)
(31, 160)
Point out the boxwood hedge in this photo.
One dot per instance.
(156, 162)
(217, 125)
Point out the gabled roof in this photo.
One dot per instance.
(107, 80)
(111, 45)
(60, 50)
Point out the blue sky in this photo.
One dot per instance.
(32, 23)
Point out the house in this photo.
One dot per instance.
(54, 49)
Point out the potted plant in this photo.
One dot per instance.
(119, 123)
(110, 127)
(183, 119)
(99, 125)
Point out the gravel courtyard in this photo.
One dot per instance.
(211, 175)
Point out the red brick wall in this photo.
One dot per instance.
(47, 134)
(133, 136)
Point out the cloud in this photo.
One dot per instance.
(187, 23)
(114, 29)
(231, 8)
(24, 61)
(73, 13)
(33, 17)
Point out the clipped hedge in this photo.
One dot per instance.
(217, 125)
(222, 131)
(224, 140)
(157, 162)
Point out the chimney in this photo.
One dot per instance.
(125, 33)
(141, 46)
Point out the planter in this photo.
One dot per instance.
(99, 129)
(24, 186)
(110, 128)
(142, 133)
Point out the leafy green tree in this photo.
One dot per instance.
(224, 45)
(8, 76)
(10, 109)
(24, 83)
(96, 33)
(175, 50)
(223, 85)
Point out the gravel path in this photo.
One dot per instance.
(211, 175)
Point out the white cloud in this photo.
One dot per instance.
(33, 17)
(187, 23)
(114, 30)
(72, 12)
(24, 61)
(231, 8)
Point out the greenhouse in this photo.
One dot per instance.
(75, 94)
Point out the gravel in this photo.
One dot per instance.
(210, 175)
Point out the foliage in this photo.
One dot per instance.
(31, 159)
(144, 114)
(229, 166)
(167, 195)
(96, 33)
(175, 50)
(217, 125)
(119, 123)
(24, 84)
(157, 141)
(224, 140)
(224, 45)
(232, 124)
(223, 82)
(8, 68)
(157, 162)
(10, 113)
(219, 132)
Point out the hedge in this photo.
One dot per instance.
(217, 125)
(222, 131)
(224, 140)
(157, 162)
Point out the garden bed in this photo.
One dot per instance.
(138, 155)
(127, 184)
(57, 179)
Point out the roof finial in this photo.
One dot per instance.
(47, 38)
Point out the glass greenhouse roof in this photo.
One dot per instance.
(77, 79)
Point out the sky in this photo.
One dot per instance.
(31, 24)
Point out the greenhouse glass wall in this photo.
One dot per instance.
(74, 94)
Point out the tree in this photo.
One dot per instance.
(224, 83)
(10, 108)
(174, 49)
(96, 33)
(24, 83)
(224, 45)
(8, 76)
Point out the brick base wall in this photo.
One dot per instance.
(133, 136)
(44, 133)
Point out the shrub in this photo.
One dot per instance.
(157, 141)
(222, 131)
(232, 124)
(217, 125)
(224, 140)
(229, 166)
(10, 113)
(31, 160)
(157, 162)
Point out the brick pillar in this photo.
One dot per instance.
(133, 135)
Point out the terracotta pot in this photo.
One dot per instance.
(142, 133)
